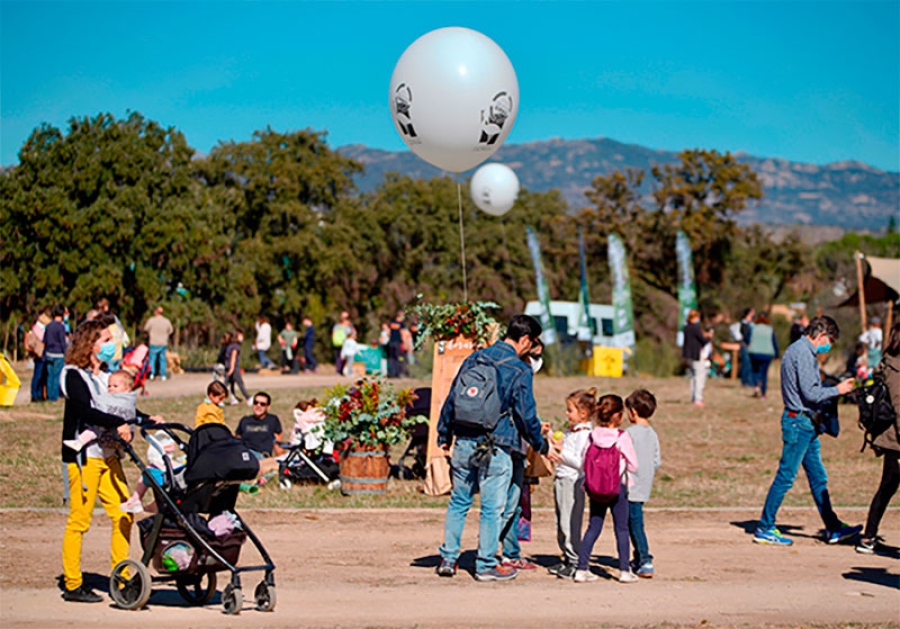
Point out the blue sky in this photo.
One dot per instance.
(809, 81)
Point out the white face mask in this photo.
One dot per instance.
(536, 364)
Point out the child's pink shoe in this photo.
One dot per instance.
(132, 505)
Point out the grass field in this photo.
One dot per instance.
(724, 455)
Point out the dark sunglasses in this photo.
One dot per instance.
(258, 403)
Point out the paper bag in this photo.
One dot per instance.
(437, 476)
(537, 465)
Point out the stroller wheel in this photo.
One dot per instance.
(194, 591)
(334, 485)
(265, 597)
(285, 483)
(232, 600)
(130, 584)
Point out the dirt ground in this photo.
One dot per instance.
(375, 568)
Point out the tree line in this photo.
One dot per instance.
(126, 209)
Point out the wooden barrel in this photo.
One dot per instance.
(364, 472)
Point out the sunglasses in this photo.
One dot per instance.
(258, 403)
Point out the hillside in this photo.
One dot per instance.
(848, 195)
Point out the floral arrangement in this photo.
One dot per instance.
(368, 414)
(442, 322)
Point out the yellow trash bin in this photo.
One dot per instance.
(605, 362)
(9, 383)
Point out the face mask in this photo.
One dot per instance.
(823, 349)
(536, 364)
(107, 351)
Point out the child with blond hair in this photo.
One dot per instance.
(568, 483)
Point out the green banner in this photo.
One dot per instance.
(623, 314)
(584, 332)
(549, 335)
(687, 290)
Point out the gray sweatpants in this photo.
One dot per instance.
(569, 498)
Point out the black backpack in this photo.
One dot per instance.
(476, 399)
(876, 413)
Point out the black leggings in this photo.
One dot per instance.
(890, 480)
(619, 508)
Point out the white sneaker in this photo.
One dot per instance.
(628, 577)
(585, 576)
(249, 402)
(164, 378)
(132, 507)
(233, 401)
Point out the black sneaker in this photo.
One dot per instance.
(866, 546)
(555, 568)
(81, 594)
(567, 572)
(446, 569)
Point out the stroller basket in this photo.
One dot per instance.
(229, 547)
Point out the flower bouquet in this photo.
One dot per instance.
(443, 322)
(368, 415)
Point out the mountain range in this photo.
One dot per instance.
(848, 195)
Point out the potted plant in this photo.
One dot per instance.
(445, 322)
(364, 420)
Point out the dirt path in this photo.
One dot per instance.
(375, 568)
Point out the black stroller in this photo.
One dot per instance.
(208, 484)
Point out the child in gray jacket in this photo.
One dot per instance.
(641, 405)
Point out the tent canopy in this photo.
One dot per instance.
(881, 284)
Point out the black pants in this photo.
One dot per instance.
(396, 360)
(890, 480)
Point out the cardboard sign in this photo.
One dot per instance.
(448, 356)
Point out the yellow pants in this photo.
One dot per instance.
(103, 478)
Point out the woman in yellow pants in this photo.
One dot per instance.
(100, 472)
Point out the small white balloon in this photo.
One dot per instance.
(454, 97)
(494, 188)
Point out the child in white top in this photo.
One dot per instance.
(640, 406)
(568, 484)
(606, 434)
(156, 467)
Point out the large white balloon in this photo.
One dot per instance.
(494, 188)
(454, 97)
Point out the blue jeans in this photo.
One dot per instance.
(264, 360)
(493, 482)
(38, 380)
(800, 446)
(509, 536)
(54, 368)
(638, 536)
(158, 352)
(760, 364)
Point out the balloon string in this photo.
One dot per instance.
(509, 268)
(462, 243)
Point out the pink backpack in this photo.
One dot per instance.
(602, 480)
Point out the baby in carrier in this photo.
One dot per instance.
(119, 400)
(308, 425)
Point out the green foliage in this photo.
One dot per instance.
(442, 322)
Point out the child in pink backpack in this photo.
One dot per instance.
(606, 434)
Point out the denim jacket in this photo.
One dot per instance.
(517, 403)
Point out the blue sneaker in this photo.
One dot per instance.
(844, 533)
(771, 536)
(645, 571)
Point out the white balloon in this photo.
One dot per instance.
(454, 97)
(494, 188)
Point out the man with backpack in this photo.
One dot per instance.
(803, 393)
(489, 409)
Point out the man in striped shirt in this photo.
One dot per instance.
(802, 391)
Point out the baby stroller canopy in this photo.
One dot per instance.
(213, 453)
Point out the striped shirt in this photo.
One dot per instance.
(801, 385)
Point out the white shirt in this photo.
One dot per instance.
(872, 337)
(263, 336)
(574, 441)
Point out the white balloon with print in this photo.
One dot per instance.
(454, 97)
(494, 188)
